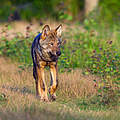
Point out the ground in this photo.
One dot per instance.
(18, 88)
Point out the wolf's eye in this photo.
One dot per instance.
(51, 44)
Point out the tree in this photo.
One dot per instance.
(90, 5)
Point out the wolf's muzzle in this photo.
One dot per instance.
(53, 56)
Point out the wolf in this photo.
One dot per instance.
(45, 51)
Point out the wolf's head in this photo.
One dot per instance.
(51, 41)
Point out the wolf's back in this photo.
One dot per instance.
(34, 46)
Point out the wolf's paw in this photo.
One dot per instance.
(44, 99)
(52, 97)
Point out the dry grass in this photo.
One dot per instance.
(73, 84)
(19, 88)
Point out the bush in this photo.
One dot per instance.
(106, 63)
(74, 52)
(109, 10)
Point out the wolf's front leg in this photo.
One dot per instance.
(54, 80)
(41, 85)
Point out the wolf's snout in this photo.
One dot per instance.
(58, 53)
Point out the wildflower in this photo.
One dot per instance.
(73, 51)
(110, 42)
(28, 28)
(95, 85)
(100, 48)
(94, 51)
(41, 23)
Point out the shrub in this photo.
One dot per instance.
(106, 63)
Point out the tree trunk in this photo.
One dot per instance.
(90, 5)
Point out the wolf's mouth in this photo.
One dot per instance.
(53, 56)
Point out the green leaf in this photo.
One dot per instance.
(94, 65)
(9, 27)
(107, 69)
(99, 90)
(69, 17)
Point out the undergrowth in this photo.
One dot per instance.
(93, 50)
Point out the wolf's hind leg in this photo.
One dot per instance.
(36, 79)
(37, 83)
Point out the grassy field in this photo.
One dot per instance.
(77, 87)
(19, 101)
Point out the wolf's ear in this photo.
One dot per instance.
(45, 31)
(59, 30)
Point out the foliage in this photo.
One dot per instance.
(60, 9)
(109, 10)
(95, 50)
(18, 48)
(106, 63)
(74, 53)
